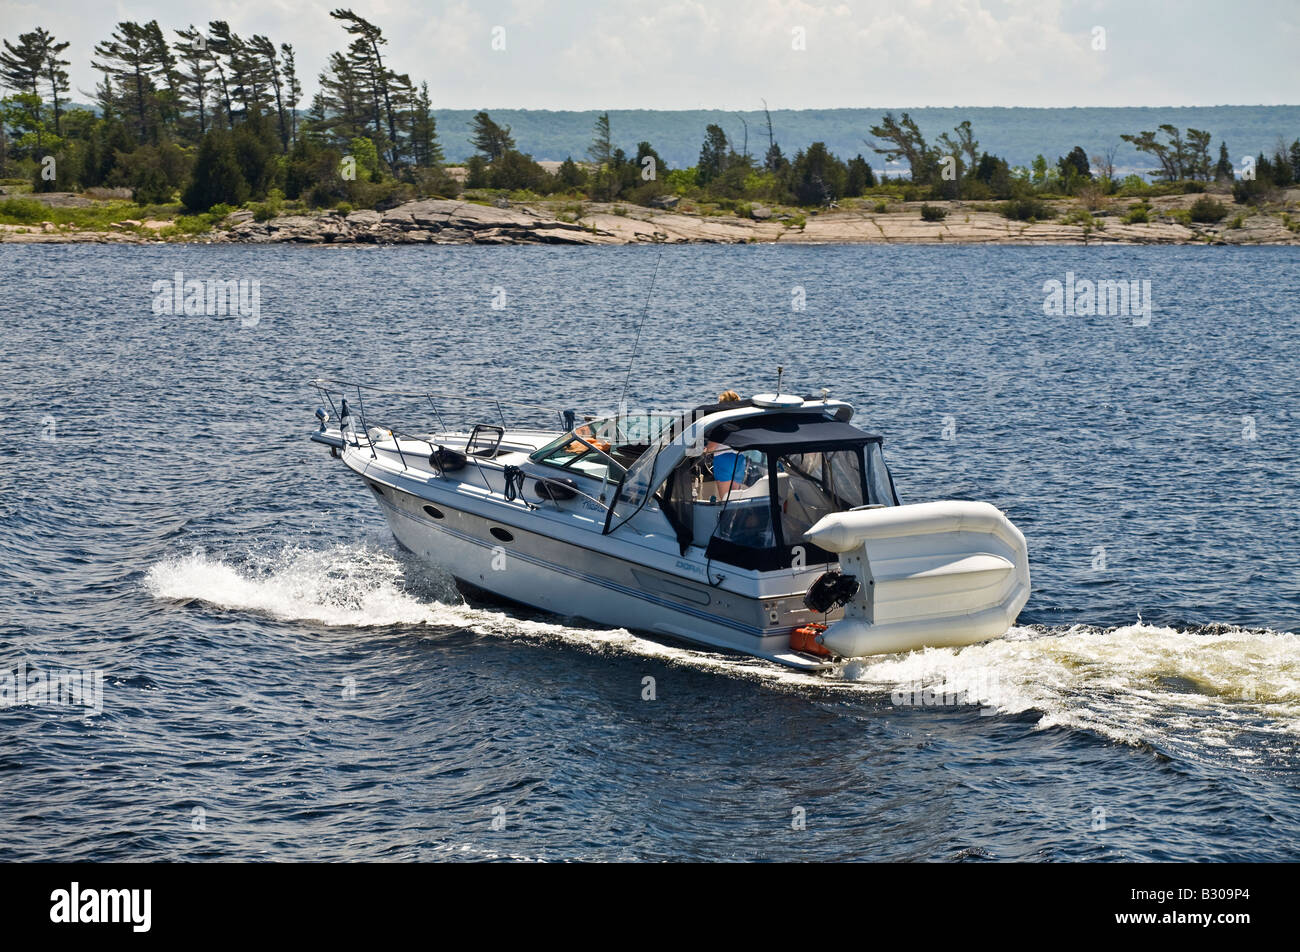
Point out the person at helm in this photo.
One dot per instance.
(728, 465)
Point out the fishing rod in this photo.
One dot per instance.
(640, 324)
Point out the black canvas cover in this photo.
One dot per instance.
(788, 432)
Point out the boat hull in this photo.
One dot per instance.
(543, 572)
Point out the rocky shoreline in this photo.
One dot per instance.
(452, 222)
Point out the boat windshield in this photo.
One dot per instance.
(604, 448)
(750, 506)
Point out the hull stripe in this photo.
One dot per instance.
(598, 580)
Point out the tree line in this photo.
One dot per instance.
(215, 118)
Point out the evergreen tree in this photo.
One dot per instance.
(293, 88)
(491, 140)
(366, 56)
(774, 160)
(818, 176)
(254, 145)
(264, 52)
(339, 109)
(21, 66)
(645, 150)
(601, 153)
(130, 63)
(217, 177)
(56, 77)
(1074, 169)
(860, 177)
(713, 155)
(1223, 169)
(195, 72)
(904, 141)
(570, 175)
(1281, 166)
(218, 43)
(425, 148)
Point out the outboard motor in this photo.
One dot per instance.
(830, 591)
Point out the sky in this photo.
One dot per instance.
(731, 54)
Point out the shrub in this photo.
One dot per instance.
(1207, 210)
(881, 208)
(1256, 191)
(343, 208)
(1139, 214)
(932, 213)
(23, 211)
(1237, 222)
(265, 211)
(1027, 208)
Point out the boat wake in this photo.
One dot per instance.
(1219, 689)
(363, 587)
(1214, 691)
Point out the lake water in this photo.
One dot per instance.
(281, 682)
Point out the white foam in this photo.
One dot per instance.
(1236, 691)
(1134, 684)
(356, 586)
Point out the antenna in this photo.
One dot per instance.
(780, 371)
(644, 310)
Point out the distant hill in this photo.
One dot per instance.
(1017, 134)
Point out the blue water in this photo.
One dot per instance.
(281, 682)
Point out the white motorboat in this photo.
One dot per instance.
(769, 526)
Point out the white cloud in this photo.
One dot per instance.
(730, 53)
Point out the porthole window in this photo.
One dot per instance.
(502, 534)
(433, 511)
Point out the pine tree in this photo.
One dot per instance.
(1223, 169)
(218, 43)
(250, 85)
(366, 53)
(339, 109)
(33, 62)
(293, 89)
(264, 50)
(860, 177)
(168, 98)
(130, 57)
(194, 74)
(56, 77)
(569, 174)
(21, 65)
(216, 176)
(713, 155)
(601, 153)
(491, 140)
(425, 148)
